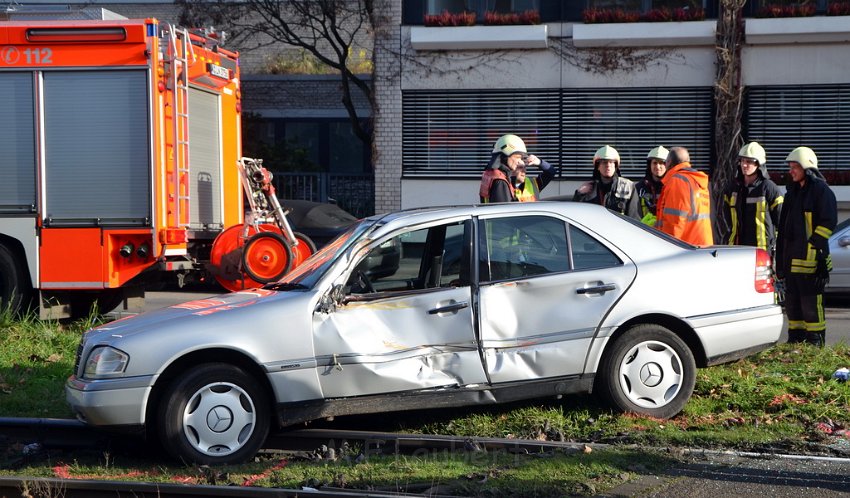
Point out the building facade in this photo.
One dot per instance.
(570, 84)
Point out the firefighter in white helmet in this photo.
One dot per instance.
(499, 182)
(752, 203)
(803, 262)
(608, 188)
(649, 188)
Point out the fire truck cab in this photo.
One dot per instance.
(120, 140)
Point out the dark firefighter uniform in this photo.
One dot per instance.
(752, 211)
(809, 216)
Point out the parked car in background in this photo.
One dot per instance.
(839, 249)
(486, 304)
(321, 221)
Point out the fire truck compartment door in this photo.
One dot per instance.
(71, 258)
(97, 148)
(204, 160)
(17, 141)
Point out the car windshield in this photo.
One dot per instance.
(310, 271)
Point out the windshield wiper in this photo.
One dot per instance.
(285, 286)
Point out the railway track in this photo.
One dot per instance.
(46, 434)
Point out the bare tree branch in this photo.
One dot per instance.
(326, 29)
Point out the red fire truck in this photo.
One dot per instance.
(120, 159)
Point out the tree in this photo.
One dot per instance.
(728, 100)
(326, 29)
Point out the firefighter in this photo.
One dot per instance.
(608, 188)
(803, 262)
(508, 152)
(649, 188)
(752, 203)
(684, 206)
(528, 189)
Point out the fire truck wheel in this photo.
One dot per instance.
(15, 288)
(266, 257)
(214, 414)
(106, 300)
(303, 250)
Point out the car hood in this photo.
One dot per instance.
(179, 315)
(264, 326)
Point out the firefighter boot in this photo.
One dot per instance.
(796, 336)
(816, 338)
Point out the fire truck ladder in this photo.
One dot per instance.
(179, 51)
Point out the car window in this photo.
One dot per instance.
(588, 252)
(522, 246)
(419, 259)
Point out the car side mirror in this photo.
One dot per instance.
(844, 241)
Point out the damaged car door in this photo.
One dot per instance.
(545, 287)
(405, 318)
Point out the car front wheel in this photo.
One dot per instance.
(649, 370)
(214, 414)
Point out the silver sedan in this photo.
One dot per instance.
(839, 249)
(435, 307)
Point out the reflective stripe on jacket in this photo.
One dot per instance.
(684, 206)
(809, 216)
(752, 214)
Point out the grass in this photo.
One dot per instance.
(782, 399)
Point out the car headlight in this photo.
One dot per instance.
(105, 361)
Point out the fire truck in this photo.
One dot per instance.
(120, 159)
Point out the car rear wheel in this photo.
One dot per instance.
(649, 370)
(214, 414)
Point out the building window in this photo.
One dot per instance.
(433, 7)
(451, 133)
(782, 118)
(414, 11)
(646, 5)
(453, 6)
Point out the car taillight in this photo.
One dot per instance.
(764, 272)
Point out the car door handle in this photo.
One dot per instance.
(450, 308)
(596, 289)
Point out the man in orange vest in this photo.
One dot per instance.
(684, 207)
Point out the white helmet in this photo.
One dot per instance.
(659, 153)
(509, 144)
(607, 152)
(803, 155)
(754, 151)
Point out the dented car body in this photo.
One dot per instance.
(472, 305)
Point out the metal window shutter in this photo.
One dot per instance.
(17, 141)
(451, 134)
(97, 164)
(782, 118)
(204, 160)
(633, 121)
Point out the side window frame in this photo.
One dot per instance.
(484, 255)
(424, 281)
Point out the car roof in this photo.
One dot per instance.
(583, 213)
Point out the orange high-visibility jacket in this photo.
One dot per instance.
(684, 207)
